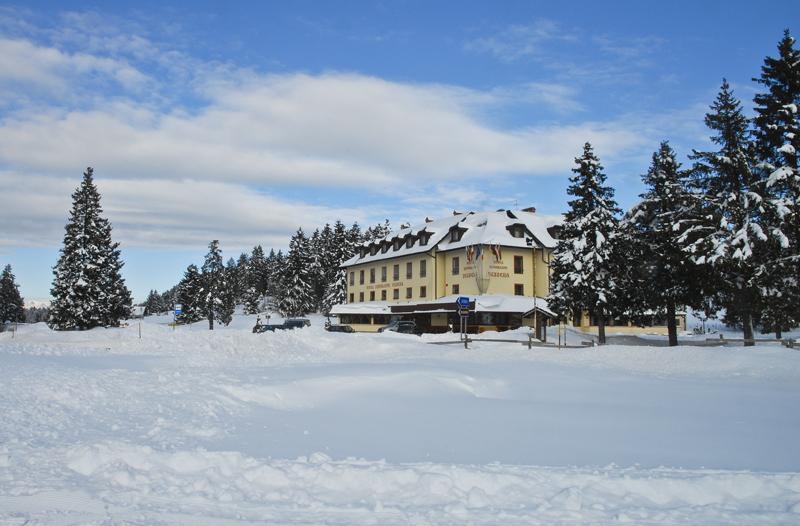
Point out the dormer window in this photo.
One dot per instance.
(423, 239)
(455, 234)
(373, 249)
(517, 231)
(397, 244)
(409, 242)
(362, 251)
(384, 248)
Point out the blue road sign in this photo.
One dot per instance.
(178, 309)
(463, 302)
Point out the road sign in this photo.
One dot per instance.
(178, 309)
(462, 302)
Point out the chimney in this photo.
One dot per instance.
(531, 209)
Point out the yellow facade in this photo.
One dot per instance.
(519, 271)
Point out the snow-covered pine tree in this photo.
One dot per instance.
(583, 268)
(217, 299)
(190, 296)
(275, 266)
(255, 281)
(241, 277)
(12, 306)
(153, 304)
(665, 276)
(777, 138)
(341, 250)
(728, 234)
(88, 289)
(296, 298)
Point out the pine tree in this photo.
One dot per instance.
(296, 298)
(153, 304)
(665, 276)
(583, 269)
(255, 281)
(728, 234)
(341, 249)
(12, 306)
(217, 297)
(190, 296)
(777, 138)
(88, 288)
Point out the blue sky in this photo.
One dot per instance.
(241, 121)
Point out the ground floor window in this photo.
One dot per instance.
(372, 295)
(396, 294)
(383, 295)
(455, 289)
(408, 293)
(360, 296)
(423, 292)
(519, 289)
(352, 297)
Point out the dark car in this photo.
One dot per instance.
(339, 328)
(402, 327)
(291, 323)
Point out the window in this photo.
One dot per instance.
(408, 293)
(517, 264)
(373, 249)
(456, 289)
(397, 244)
(423, 240)
(352, 297)
(372, 275)
(384, 248)
(383, 295)
(396, 294)
(396, 272)
(372, 295)
(352, 278)
(423, 268)
(518, 231)
(423, 292)
(409, 270)
(360, 277)
(455, 266)
(360, 296)
(409, 242)
(455, 234)
(519, 289)
(383, 274)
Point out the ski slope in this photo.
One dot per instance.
(189, 426)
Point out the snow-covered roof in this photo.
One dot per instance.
(372, 307)
(502, 303)
(480, 228)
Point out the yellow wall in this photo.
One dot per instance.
(501, 275)
(391, 284)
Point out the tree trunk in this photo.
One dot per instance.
(672, 327)
(601, 329)
(210, 321)
(747, 325)
(778, 332)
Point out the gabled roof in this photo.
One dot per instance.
(481, 228)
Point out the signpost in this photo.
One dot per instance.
(178, 311)
(463, 312)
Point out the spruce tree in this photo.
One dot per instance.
(153, 304)
(729, 234)
(296, 297)
(777, 138)
(583, 270)
(12, 306)
(665, 275)
(255, 281)
(216, 295)
(88, 289)
(190, 296)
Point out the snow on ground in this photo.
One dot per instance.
(188, 426)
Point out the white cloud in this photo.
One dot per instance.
(158, 213)
(519, 41)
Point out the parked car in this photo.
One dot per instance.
(339, 328)
(402, 327)
(291, 323)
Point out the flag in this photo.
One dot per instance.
(478, 252)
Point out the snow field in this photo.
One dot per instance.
(188, 426)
